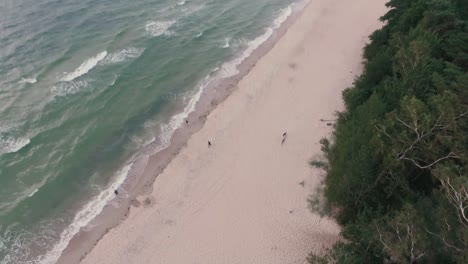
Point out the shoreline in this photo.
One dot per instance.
(215, 93)
(145, 202)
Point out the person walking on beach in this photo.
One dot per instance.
(285, 134)
(209, 143)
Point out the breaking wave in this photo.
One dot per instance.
(85, 67)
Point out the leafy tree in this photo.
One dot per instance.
(397, 172)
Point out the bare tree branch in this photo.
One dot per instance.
(381, 239)
(414, 258)
(443, 240)
(458, 197)
(448, 156)
(420, 138)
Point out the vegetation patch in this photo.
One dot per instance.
(397, 169)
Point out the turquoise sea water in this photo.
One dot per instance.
(87, 86)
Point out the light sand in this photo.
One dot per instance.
(240, 200)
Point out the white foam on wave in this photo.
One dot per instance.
(34, 192)
(227, 43)
(29, 80)
(199, 35)
(177, 120)
(229, 69)
(12, 145)
(181, 3)
(90, 211)
(95, 206)
(167, 130)
(69, 88)
(158, 28)
(15, 253)
(85, 67)
(123, 55)
(8, 126)
(282, 17)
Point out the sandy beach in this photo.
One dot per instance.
(241, 200)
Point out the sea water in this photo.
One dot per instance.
(86, 86)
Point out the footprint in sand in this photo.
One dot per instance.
(292, 65)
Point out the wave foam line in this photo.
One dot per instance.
(123, 55)
(34, 192)
(178, 119)
(227, 43)
(95, 207)
(85, 67)
(158, 28)
(229, 69)
(90, 211)
(68, 88)
(29, 80)
(12, 145)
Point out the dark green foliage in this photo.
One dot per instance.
(398, 170)
(318, 164)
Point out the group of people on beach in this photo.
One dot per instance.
(285, 135)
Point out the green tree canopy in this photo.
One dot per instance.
(398, 167)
